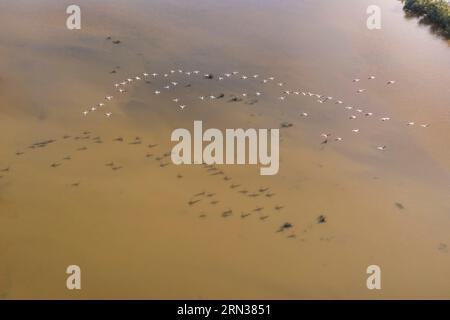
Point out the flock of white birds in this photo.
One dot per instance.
(121, 88)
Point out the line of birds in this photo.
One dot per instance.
(171, 84)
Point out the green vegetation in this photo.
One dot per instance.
(433, 12)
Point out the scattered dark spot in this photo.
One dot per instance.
(116, 41)
(208, 76)
(116, 168)
(286, 125)
(285, 226)
(399, 205)
(227, 213)
(193, 202)
(321, 219)
(235, 99)
(443, 247)
(252, 102)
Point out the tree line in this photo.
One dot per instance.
(433, 12)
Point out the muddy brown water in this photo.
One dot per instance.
(132, 230)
